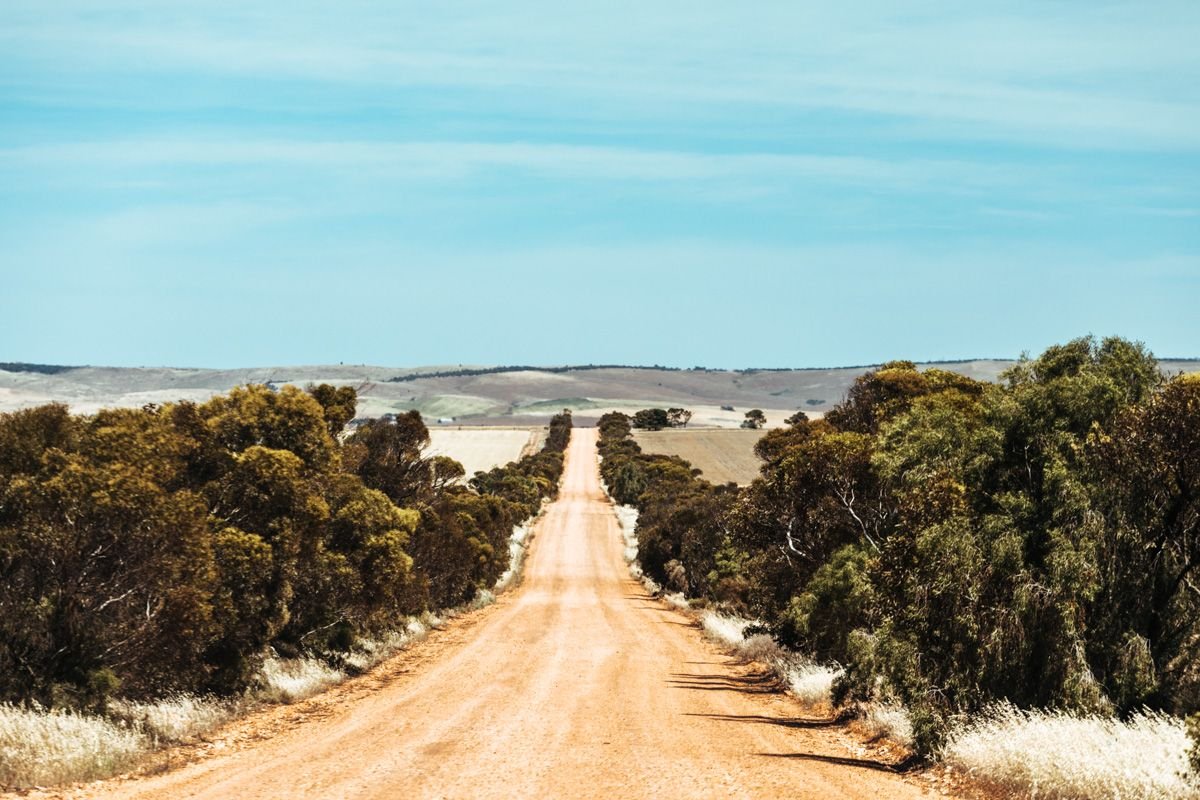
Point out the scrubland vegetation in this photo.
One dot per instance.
(987, 558)
(152, 557)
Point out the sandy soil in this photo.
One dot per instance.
(723, 456)
(578, 685)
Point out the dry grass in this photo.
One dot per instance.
(724, 456)
(173, 719)
(293, 679)
(809, 682)
(518, 546)
(40, 748)
(883, 721)
(480, 449)
(627, 517)
(369, 652)
(1061, 756)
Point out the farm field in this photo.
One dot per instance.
(515, 398)
(480, 449)
(724, 455)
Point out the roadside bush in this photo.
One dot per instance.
(161, 551)
(957, 544)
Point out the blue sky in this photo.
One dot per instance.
(773, 184)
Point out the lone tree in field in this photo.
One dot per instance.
(678, 417)
(755, 419)
(651, 419)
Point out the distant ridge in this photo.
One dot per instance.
(467, 372)
(43, 369)
(481, 395)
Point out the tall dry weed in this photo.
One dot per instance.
(42, 748)
(294, 679)
(1061, 756)
(176, 718)
(808, 681)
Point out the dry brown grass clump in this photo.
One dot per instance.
(1061, 756)
(41, 748)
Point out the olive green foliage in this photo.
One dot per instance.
(655, 419)
(651, 419)
(953, 543)
(678, 417)
(337, 405)
(680, 525)
(460, 541)
(755, 419)
(164, 549)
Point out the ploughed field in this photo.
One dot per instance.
(723, 455)
(576, 685)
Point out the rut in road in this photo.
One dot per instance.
(577, 685)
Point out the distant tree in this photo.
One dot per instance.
(797, 418)
(678, 417)
(651, 419)
(755, 419)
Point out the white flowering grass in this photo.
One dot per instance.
(675, 600)
(885, 721)
(811, 683)
(724, 629)
(293, 679)
(483, 599)
(40, 748)
(1062, 756)
(518, 546)
(627, 517)
(176, 718)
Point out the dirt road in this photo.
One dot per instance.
(578, 685)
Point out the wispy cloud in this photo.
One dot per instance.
(441, 160)
(1115, 76)
(932, 158)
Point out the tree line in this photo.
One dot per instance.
(167, 548)
(953, 543)
(471, 372)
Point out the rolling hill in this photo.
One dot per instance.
(478, 395)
